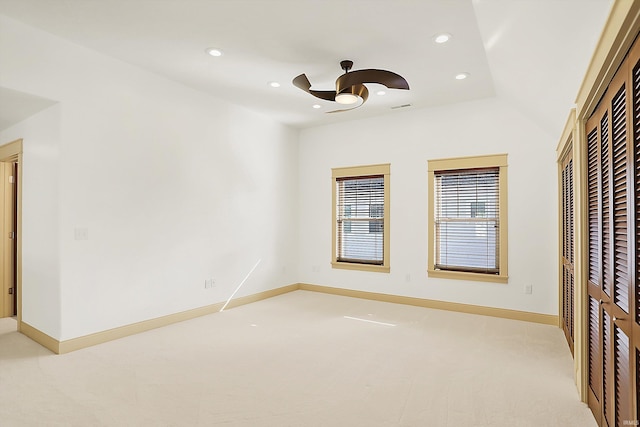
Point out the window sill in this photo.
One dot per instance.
(361, 267)
(460, 275)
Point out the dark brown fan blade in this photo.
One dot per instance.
(329, 95)
(383, 77)
(302, 82)
(359, 90)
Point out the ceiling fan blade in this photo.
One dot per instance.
(328, 95)
(343, 110)
(302, 82)
(359, 90)
(383, 77)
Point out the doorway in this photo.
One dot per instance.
(10, 231)
(8, 212)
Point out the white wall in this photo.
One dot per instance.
(407, 140)
(172, 186)
(41, 297)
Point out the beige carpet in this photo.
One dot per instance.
(301, 359)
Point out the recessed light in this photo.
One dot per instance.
(462, 76)
(442, 38)
(274, 84)
(316, 106)
(213, 51)
(381, 92)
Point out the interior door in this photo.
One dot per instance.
(594, 210)
(567, 257)
(634, 291)
(612, 256)
(7, 239)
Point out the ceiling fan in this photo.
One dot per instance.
(350, 86)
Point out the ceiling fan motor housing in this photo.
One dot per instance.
(346, 65)
(350, 86)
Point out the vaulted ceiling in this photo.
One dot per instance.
(531, 53)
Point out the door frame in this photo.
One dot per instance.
(12, 153)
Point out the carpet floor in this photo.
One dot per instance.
(301, 359)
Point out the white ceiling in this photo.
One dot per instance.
(533, 53)
(16, 106)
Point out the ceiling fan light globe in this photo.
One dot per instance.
(346, 98)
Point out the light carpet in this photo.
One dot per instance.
(301, 359)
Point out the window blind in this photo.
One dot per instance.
(360, 219)
(466, 220)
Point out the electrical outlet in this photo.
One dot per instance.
(528, 289)
(81, 233)
(208, 283)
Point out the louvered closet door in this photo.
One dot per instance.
(613, 203)
(567, 248)
(598, 213)
(634, 291)
(618, 307)
(594, 275)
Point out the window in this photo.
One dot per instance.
(468, 218)
(346, 224)
(361, 218)
(376, 211)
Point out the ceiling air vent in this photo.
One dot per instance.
(401, 106)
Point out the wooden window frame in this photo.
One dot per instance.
(462, 163)
(356, 172)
